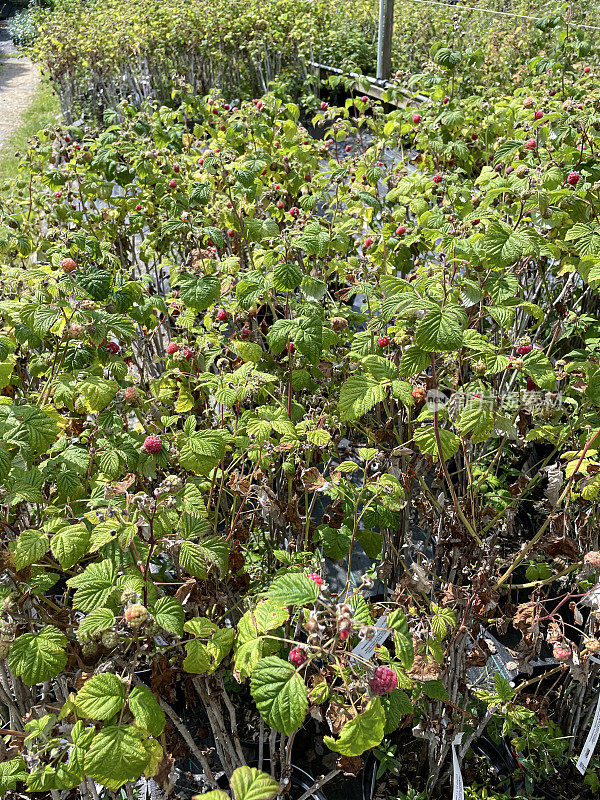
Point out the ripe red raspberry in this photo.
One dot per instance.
(348, 148)
(221, 315)
(530, 144)
(384, 680)
(316, 578)
(280, 204)
(593, 558)
(153, 444)
(524, 349)
(416, 118)
(419, 393)
(573, 178)
(586, 70)
(297, 656)
(291, 347)
(172, 183)
(294, 212)
(231, 233)
(175, 167)
(446, 100)
(68, 265)
(136, 615)
(130, 394)
(383, 341)
(187, 353)
(138, 207)
(259, 104)
(364, 98)
(172, 348)
(438, 177)
(561, 652)
(538, 114)
(113, 347)
(245, 333)
(368, 242)
(324, 106)
(400, 231)
(531, 385)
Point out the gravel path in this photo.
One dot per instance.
(18, 81)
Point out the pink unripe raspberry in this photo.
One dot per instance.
(573, 178)
(528, 102)
(416, 118)
(186, 353)
(172, 183)
(530, 144)
(68, 265)
(130, 394)
(297, 656)
(153, 444)
(538, 114)
(324, 106)
(172, 348)
(136, 615)
(384, 680)
(368, 241)
(438, 177)
(592, 558)
(586, 70)
(524, 349)
(561, 652)
(280, 204)
(316, 578)
(383, 341)
(348, 148)
(400, 231)
(260, 104)
(221, 315)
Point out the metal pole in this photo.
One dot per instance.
(384, 39)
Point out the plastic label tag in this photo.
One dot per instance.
(458, 789)
(592, 737)
(366, 648)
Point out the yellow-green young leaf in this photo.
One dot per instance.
(403, 642)
(197, 660)
(362, 733)
(168, 613)
(31, 546)
(294, 588)
(265, 617)
(358, 395)
(101, 697)
(426, 441)
(185, 401)
(248, 783)
(280, 694)
(116, 756)
(216, 794)
(219, 645)
(441, 330)
(191, 559)
(96, 621)
(69, 545)
(148, 714)
(319, 437)
(98, 392)
(538, 366)
(37, 657)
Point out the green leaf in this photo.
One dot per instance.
(11, 772)
(280, 694)
(441, 330)
(69, 545)
(358, 395)
(101, 697)
(94, 586)
(148, 714)
(504, 245)
(403, 642)
(31, 546)
(248, 783)
(362, 733)
(199, 293)
(192, 560)
(538, 366)
(95, 622)
(197, 660)
(287, 276)
(426, 441)
(293, 588)
(117, 755)
(98, 393)
(266, 616)
(309, 337)
(37, 657)
(168, 613)
(435, 690)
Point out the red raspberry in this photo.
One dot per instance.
(400, 231)
(384, 680)
(245, 333)
(573, 178)
(368, 242)
(68, 265)
(231, 233)
(586, 70)
(530, 144)
(438, 177)
(172, 183)
(419, 393)
(593, 558)
(324, 106)
(187, 353)
(138, 207)
(172, 348)
(136, 615)
(348, 148)
(364, 98)
(291, 347)
(538, 114)
(561, 652)
(153, 444)
(446, 100)
(416, 118)
(113, 347)
(221, 315)
(175, 167)
(316, 578)
(528, 102)
(531, 385)
(297, 656)
(130, 394)
(524, 349)
(280, 204)
(383, 341)
(294, 212)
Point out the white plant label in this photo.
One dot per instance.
(365, 649)
(458, 789)
(592, 737)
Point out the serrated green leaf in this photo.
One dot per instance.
(280, 694)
